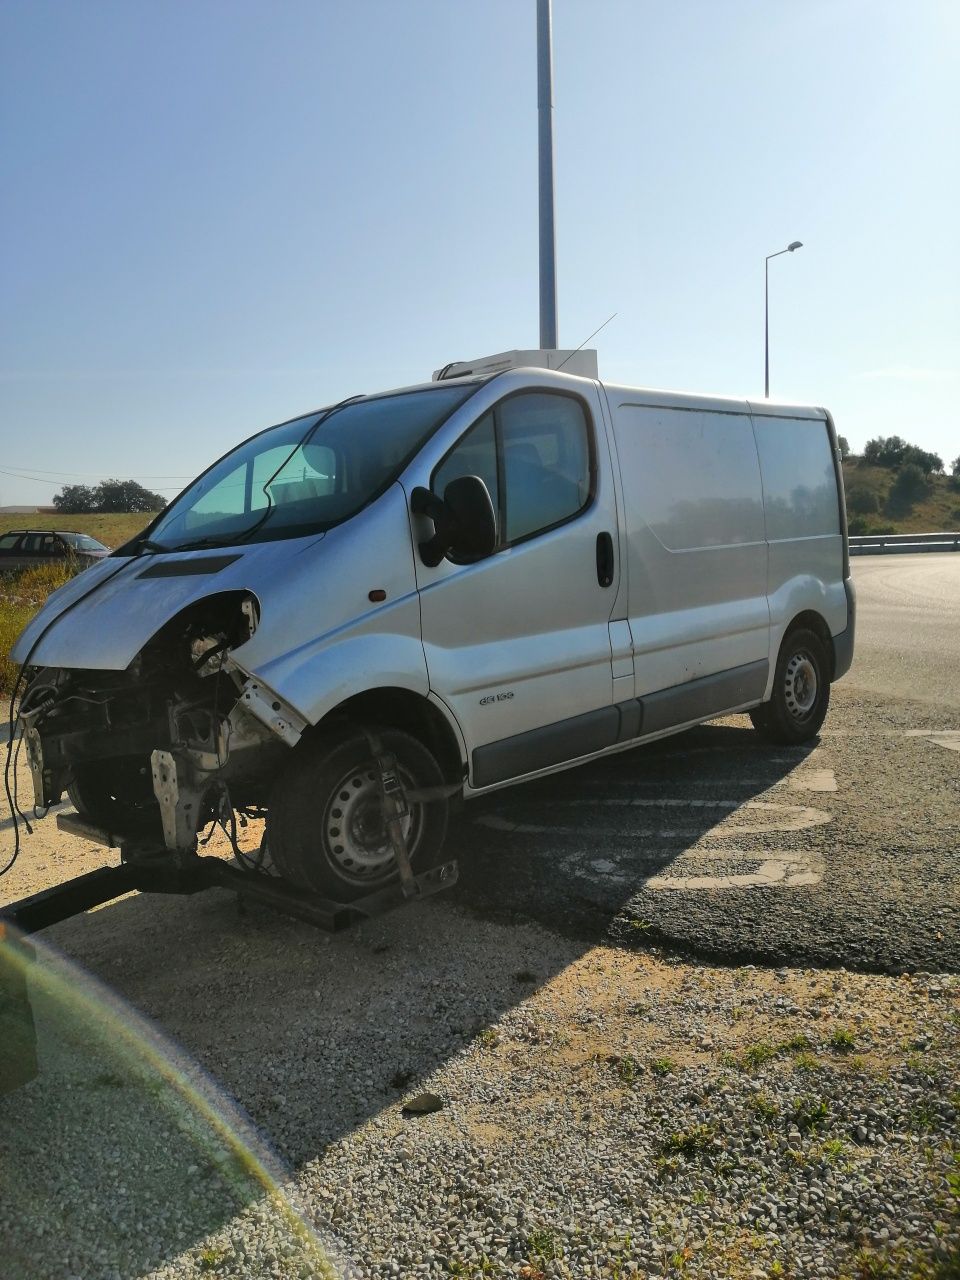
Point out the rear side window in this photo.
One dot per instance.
(799, 480)
(534, 452)
(9, 541)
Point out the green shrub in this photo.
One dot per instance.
(21, 595)
(862, 501)
(13, 618)
(860, 525)
(909, 487)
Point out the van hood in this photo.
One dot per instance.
(333, 584)
(101, 619)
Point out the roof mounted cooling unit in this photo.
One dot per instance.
(581, 363)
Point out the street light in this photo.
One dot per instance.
(548, 235)
(796, 244)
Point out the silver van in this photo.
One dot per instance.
(501, 573)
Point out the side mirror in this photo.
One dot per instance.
(474, 533)
(464, 520)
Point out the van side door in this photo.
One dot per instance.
(517, 644)
(697, 558)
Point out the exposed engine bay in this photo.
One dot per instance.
(179, 739)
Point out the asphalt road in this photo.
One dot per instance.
(908, 638)
(713, 843)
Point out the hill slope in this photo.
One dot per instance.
(866, 486)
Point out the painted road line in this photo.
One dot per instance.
(772, 871)
(739, 869)
(948, 738)
(774, 818)
(822, 780)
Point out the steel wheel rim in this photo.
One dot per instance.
(354, 834)
(801, 685)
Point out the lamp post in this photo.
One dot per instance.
(548, 239)
(796, 244)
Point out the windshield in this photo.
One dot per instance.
(308, 474)
(82, 542)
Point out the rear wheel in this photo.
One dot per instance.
(801, 691)
(325, 822)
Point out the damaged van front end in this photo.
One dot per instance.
(179, 736)
(170, 685)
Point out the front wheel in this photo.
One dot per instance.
(325, 822)
(801, 691)
(115, 794)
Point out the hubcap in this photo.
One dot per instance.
(801, 685)
(354, 831)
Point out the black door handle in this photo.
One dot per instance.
(604, 559)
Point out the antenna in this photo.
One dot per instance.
(586, 340)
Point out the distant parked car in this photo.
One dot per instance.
(25, 548)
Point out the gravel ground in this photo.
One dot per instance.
(606, 1112)
(222, 1095)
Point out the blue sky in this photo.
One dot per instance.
(220, 213)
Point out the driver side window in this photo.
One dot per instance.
(534, 452)
(475, 455)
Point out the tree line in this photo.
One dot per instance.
(108, 496)
(911, 467)
(894, 452)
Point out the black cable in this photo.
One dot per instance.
(18, 812)
(14, 722)
(226, 815)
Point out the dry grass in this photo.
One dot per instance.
(113, 530)
(21, 595)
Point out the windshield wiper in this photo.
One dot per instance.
(198, 543)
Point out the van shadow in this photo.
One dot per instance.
(313, 1035)
(629, 839)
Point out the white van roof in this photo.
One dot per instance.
(692, 401)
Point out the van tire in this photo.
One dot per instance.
(801, 691)
(324, 821)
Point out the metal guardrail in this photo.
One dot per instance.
(879, 544)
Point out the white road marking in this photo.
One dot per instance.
(784, 817)
(812, 780)
(806, 780)
(783, 871)
(949, 738)
(884, 733)
(690, 869)
(745, 869)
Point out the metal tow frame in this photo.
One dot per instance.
(396, 807)
(189, 873)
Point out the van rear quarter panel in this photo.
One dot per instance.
(802, 516)
(695, 538)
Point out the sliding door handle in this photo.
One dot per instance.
(604, 559)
